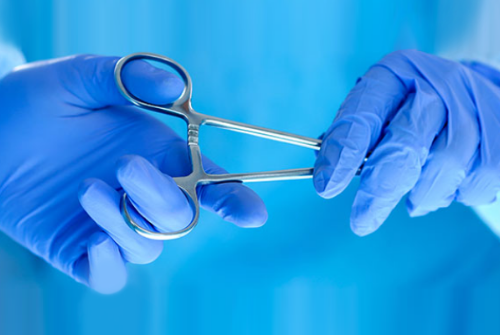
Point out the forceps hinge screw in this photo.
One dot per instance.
(193, 134)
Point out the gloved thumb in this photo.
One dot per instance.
(88, 82)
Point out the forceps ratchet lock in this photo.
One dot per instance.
(182, 108)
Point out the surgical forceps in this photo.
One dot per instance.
(182, 108)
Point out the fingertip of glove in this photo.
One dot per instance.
(257, 219)
(108, 290)
(107, 287)
(364, 221)
(326, 184)
(323, 185)
(251, 217)
(129, 167)
(362, 230)
(320, 180)
(242, 207)
(107, 269)
(170, 87)
(86, 187)
(152, 84)
(415, 210)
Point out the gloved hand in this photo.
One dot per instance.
(63, 121)
(432, 127)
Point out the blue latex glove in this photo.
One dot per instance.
(433, 129)
(63, 121)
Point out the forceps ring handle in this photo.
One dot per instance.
(154, 235)
(172, 108)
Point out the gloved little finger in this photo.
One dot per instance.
(481, 186)
(102, 267)
(449, 159)
(482, 183)
(107, 270)
(102, 204)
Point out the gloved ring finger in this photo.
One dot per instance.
(102, 204)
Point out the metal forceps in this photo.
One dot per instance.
(182, 108)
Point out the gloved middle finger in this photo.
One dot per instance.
(395, 164)
(234, 202)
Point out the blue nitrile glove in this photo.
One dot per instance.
(64, 121)
(433, 129)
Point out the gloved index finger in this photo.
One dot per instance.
(89, 82)
(356, 129)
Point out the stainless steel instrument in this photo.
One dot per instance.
(182, 108)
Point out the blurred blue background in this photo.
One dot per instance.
(285, 65)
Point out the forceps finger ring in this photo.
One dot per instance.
(182, 108)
